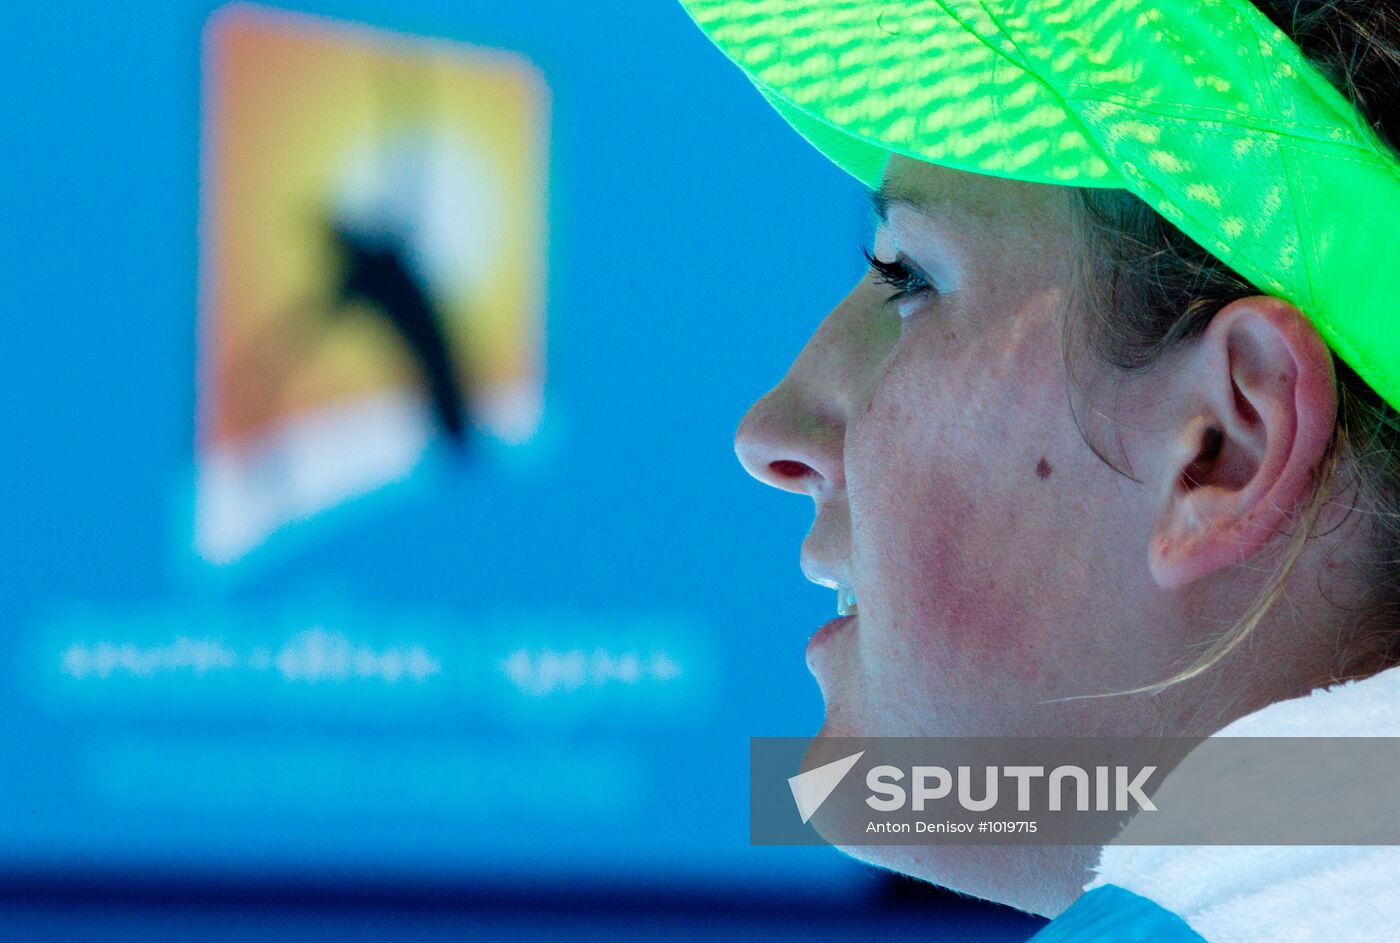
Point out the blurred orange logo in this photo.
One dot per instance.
(372, 260)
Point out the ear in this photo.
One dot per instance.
(1259, 407)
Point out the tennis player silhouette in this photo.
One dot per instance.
(375, 272)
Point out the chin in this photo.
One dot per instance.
(1039, 879)
(861, 719)
(834, 724)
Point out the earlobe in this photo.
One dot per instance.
(1260, 390)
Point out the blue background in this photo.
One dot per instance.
(695, 243)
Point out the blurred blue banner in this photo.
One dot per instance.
(576, 634)
(533, 658)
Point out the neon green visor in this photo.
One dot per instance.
(1204, 109)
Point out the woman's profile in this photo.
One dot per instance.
(1105, 441)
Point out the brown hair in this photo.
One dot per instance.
(1150, 288)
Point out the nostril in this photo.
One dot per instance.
(785, 468)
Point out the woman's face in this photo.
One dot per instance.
(997, 562)
(1002, 569)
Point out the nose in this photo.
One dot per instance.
(787, 441)
(794, 436)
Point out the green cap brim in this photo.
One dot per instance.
(1204, 110)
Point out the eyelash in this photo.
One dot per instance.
(898, 276)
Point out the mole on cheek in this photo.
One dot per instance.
(1043, 469)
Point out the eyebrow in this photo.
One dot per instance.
(886, 197)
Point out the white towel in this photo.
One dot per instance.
(1281, 893)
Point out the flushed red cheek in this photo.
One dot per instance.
(942, 549)
(937, 471)
(936, 562)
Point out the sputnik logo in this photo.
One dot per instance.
(811, 789)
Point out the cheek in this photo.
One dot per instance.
(954, 527)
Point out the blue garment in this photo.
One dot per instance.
(1110, 914)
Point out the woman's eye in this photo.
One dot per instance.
(906, 282)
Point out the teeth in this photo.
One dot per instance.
(845, 601)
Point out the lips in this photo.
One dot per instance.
(828, 632)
